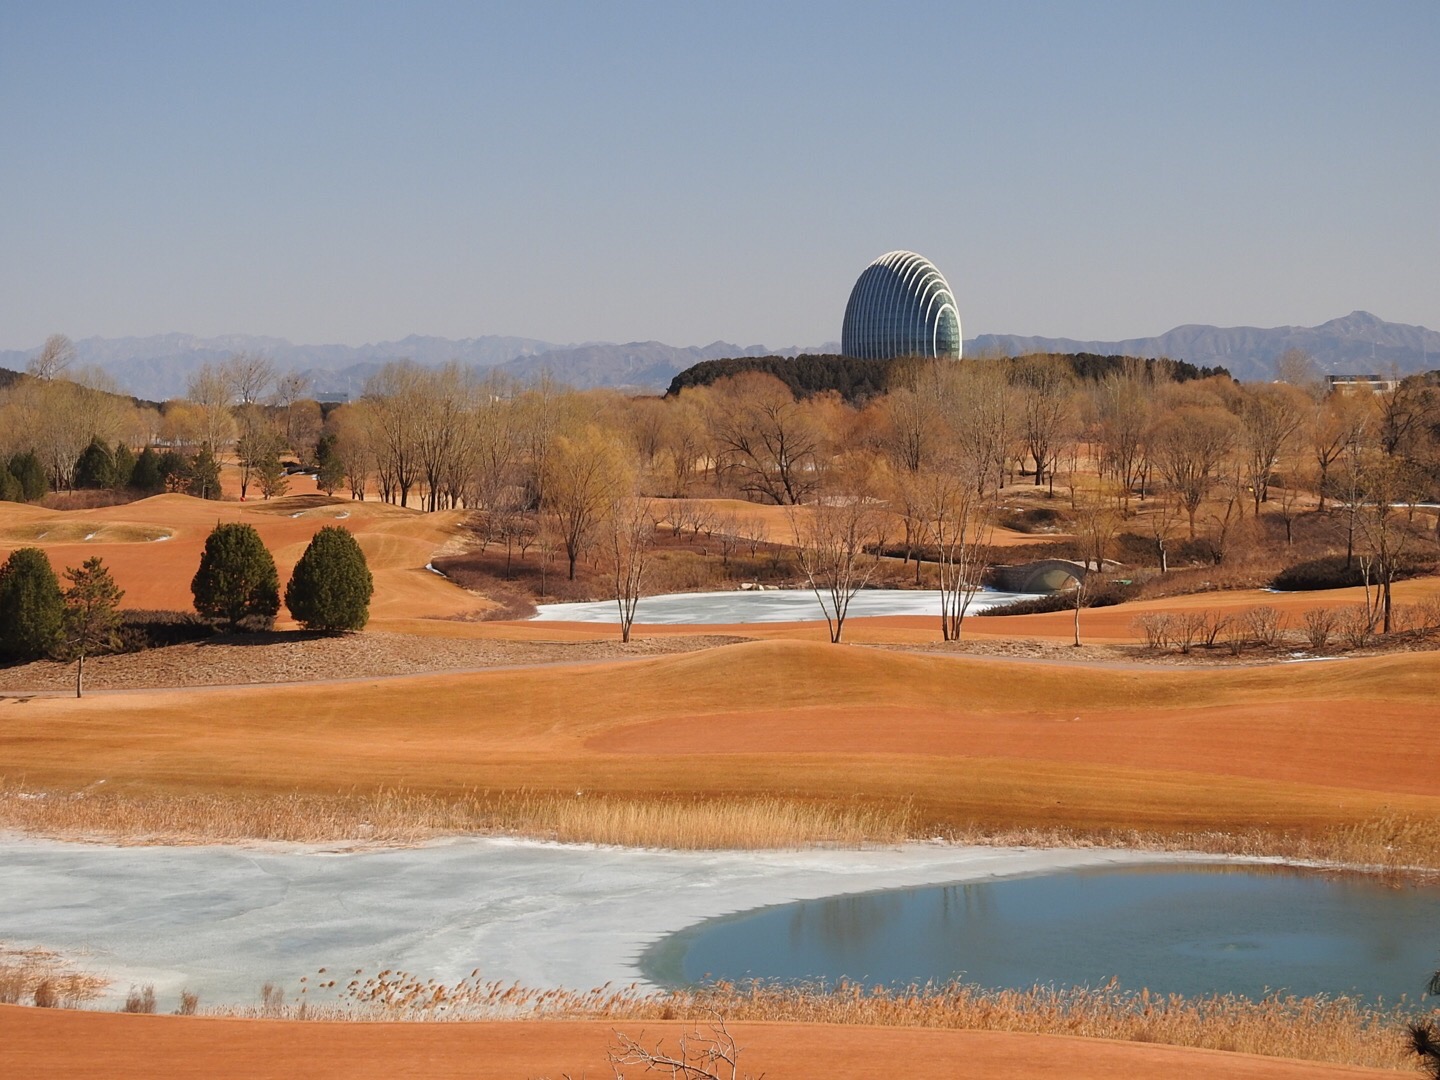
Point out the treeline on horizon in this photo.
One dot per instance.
(858, 381)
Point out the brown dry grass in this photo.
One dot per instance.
(1318, 1028)
(1324, 1029)
(405, 817)
(1309, 750)
(43, 978)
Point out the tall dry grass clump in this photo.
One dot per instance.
(1332, 1029)
(700, 824)
(40, 977)
(1393, 846)
(394, 816)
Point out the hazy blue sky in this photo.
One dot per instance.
(351, 172)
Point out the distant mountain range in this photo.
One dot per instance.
(1357, 344)
(158, 367)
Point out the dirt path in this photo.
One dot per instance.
(109, 1046)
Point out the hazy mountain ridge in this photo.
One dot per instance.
(1357, 344)
(158, 367)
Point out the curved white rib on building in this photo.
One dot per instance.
(901, 306)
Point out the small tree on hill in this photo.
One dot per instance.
(31, 607)
(204, 476)
(237, 578)
(92, 614)
(331, 586)
(271, 476)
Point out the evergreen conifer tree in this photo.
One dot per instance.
(27, 469)
(95, 467)
(204, 475)
(237, 578)
(31, 607)
(10, 490)
(331, 586)
(92, 614)
(147, 476)
(124, 459)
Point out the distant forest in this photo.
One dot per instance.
(856, 381)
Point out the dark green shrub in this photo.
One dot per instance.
(1101, 594)
(237, 579)
(174, 470)
(95, 467)
(32, 610)
(124, 459)
(1032, 519)
(331, 586)
(147, 476)
(1327, 572)
(10, 490)
(27, 469)
(142, 629)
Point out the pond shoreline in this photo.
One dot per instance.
(224, 920)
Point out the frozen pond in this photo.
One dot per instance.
(224, 920)
(1193, 930)
(754, 606)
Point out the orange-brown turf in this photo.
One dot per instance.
(113, 1046)
(967, 739)
(156, 573)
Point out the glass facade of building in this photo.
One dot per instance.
(901, 306)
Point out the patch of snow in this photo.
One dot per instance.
(431, 568)
(157, 539)
(223, 920)
(89, 536)
(758, 604)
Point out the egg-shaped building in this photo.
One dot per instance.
(901, 306)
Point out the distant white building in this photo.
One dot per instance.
(1353, 384)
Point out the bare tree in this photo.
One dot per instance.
(394, 397)
(212, 392)
(838, 543)
(1387, 534)
(1340, 421)
(1094, 530)
(584, 474)
(248, 375)
(57, 354)
(290, 390)
(1046, 388)
(257, 442)
(1271, 415)
(1123, 408)
(630, 535)
(1189, 444)
(958, 530)
(766, 439)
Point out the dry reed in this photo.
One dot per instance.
(393, 816)
(1393, 845)
(1332, 1029)
(41, 977)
